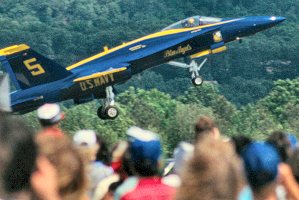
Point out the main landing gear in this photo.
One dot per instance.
(108, 110)
(194, 69)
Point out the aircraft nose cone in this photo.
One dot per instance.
(253, 24)
(262, 23)
(277, 20)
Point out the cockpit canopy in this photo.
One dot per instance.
(193, 21)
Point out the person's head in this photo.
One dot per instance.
(191, 21)
(293, 161)
(18, 154)
(214, 172)
(86, 142)
(206, 126)
(121, 160)
(240, 142)
(111, 190)
(261, 162)
(282, 143)
(145, 151)
(49, 115)
(182, 154)
(68, 163)
(103, 152)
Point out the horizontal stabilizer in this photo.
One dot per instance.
(99, 74)
(13, 49)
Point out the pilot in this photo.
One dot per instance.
(50, 116)
(190, 23)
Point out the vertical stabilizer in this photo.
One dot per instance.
(27, 68)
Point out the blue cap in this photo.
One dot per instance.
(145, 145)
(261, 163)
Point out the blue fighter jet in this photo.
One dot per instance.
(39, 80)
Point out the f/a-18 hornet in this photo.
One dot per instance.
(39, 80)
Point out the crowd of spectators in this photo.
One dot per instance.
(48, 164)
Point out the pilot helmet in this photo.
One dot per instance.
(49, 114)
(191, 20)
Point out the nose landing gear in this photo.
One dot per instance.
(108, 110)
(194, 69)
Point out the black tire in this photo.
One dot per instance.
(111, 112)
(197, 81)
(101, 113)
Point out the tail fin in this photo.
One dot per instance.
(28, 68)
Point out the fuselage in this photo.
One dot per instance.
(138, 55)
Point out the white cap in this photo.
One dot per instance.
(49, 114)
(85, 138)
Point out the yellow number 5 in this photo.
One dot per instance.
(35, 69)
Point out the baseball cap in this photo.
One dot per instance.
(49, 114)
(261, 163)
(144, 145)
(85, 138)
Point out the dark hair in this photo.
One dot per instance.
(240, 142)
(46, 123)
(141, 167)
(103, 153)
(204, 126)
(113, 186)
(127, 164)
(280, 140)
(145, 168)
(18, 154)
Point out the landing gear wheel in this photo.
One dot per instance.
(108, 110)
(101, 113)
(111, 112)
(197, 80)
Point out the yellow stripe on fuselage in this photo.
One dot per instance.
(13, 49)
(154, 35)
(96, 75)
(200, 54)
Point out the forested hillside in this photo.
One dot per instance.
(69, 30)
(174, 118)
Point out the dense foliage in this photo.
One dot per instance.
(174, 118)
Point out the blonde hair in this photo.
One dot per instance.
(213, 173)
(68, 163)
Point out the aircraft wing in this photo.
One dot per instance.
(100, 74)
